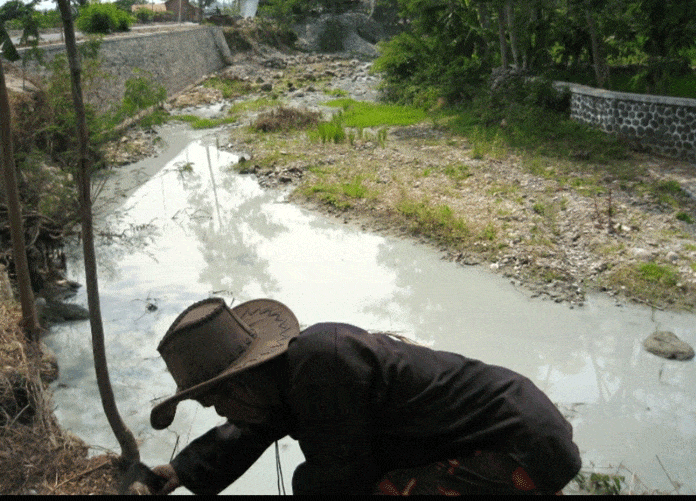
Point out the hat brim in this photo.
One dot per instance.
(278, 325)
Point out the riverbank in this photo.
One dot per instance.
(37, 456)
(556, 237)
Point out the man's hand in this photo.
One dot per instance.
(167, 471)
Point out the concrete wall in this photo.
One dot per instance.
(175, 58)
(664, 125)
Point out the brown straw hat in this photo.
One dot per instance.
(209, 342)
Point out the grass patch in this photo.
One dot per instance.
(335, 92)
(683, 216)
(438, 222)
(202, 123)
(668, 192)
(329, 132)
(542, 136)
(651, 282)
(539, 208)
(363, 114)
(339, 195)
(457, 172)
(253, 105)
(229, 87)
(658, 274)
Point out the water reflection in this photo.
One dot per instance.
(195, 228)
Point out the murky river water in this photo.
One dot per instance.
(182, 226)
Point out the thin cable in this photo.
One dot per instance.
(279, 471)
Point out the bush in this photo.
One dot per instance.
(286, 119)
(103, 18)
(142, 92)
(144, 16)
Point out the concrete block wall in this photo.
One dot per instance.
(664, 125)
(175, 58)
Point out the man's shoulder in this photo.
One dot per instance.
(325, 336)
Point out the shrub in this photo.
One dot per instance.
(103, 18)
(142, 92)
(144, 16)
(286, 119)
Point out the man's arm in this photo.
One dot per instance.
(219, 457)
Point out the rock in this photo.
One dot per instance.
(640, 252)
(57, 311)
(666, 344)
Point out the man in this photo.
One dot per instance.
(371, 414)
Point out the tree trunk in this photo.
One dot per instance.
(501, 36)
(30, 320)
(485, 20)
(514, 44)
(129, 447)
(598, 62)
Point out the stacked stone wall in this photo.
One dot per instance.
(664, 125)
(175, 58)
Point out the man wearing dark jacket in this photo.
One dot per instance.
(372, 414)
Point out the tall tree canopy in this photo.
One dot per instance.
(450, 45)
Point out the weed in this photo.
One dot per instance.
(355, 188)
(184, 167)
(336, 194)
(549, 276)
(336, 92)
(650, 282)
(457, 172)
(253, 105)
(489, 232)
(230, 87)
(655, 273)
(329, 132)
(599, 483)
(203, 123)
(539, 208)
(438, 222)
(693, 266)
(382, 137)
(285, 119)
(667, 192)
(683, 216)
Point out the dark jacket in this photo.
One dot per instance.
(362, 404)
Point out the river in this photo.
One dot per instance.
(182, 226)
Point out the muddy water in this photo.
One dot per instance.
(183, 226)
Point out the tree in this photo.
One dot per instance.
(129, 447)
(30, 320)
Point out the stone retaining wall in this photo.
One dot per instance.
(664, 125)
(175, 58)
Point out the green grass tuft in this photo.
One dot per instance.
(363, 114)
